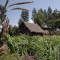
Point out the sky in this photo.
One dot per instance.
(15, 14)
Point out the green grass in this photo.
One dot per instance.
(11, 57)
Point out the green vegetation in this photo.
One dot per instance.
(48, 17)
(10, 57)
(25, 15)
(42, 47)
(34, 11)
(39, 18)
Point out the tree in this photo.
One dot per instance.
(34, 11)
(20, 21)
(40, 10)
(45, 15)
(39, 18)
(2, 17)
(2, 13)
(49, 12)
(14, 29)
(10, 32)
(54, 19)
(57, 24)
(25, 15)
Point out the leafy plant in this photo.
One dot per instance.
(42, 47)
(10, 45)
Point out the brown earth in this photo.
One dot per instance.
(27, 57)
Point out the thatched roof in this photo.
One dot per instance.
(34, 27)
(47, 30)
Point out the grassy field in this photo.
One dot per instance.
(42, 47)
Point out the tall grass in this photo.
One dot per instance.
(42, 47)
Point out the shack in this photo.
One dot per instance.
(30, 28)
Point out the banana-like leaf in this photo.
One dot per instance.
(20, 3)
(10, 45)
(6, 3)
(20, 9)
